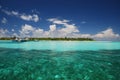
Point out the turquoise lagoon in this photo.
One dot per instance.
(60, 60)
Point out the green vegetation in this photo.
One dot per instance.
(5, 38)
(56, 39)
(65, 39)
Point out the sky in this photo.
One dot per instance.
(97, 19)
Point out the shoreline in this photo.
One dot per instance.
(54, 39)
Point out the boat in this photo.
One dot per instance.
(20, 39)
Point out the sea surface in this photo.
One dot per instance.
(59, 60)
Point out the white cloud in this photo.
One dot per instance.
(69, 28)
(12, 30)
(57, 21)
(85, 35)
(78, 35)
(15, 13)
(26, 29)
(35, 11)
(30, 31)
(52, 27)
(15, 34)
(38, 33)
(22, 16)
(4, 33)
(7, 12)
(4, 20)
(12, 13)
(33, 17)
(106, 34)
(66, 28)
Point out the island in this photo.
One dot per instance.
(49, 38)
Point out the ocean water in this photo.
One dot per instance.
(60, 60)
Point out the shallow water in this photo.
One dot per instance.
(62, 45)
(55, 62)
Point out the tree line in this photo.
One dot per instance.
(49, 38)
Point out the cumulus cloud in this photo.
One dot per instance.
(30, 31)
(22, 16)
(66, 28)
(4, 33)
(85, 35)
(69, 28)
(52, 27)
(33, 17)
(26, 30)
(38, 33)
(106, 34)
(4, 20)
(15, 35)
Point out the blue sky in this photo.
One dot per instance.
(98, 19)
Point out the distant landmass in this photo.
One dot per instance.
(55, 39)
